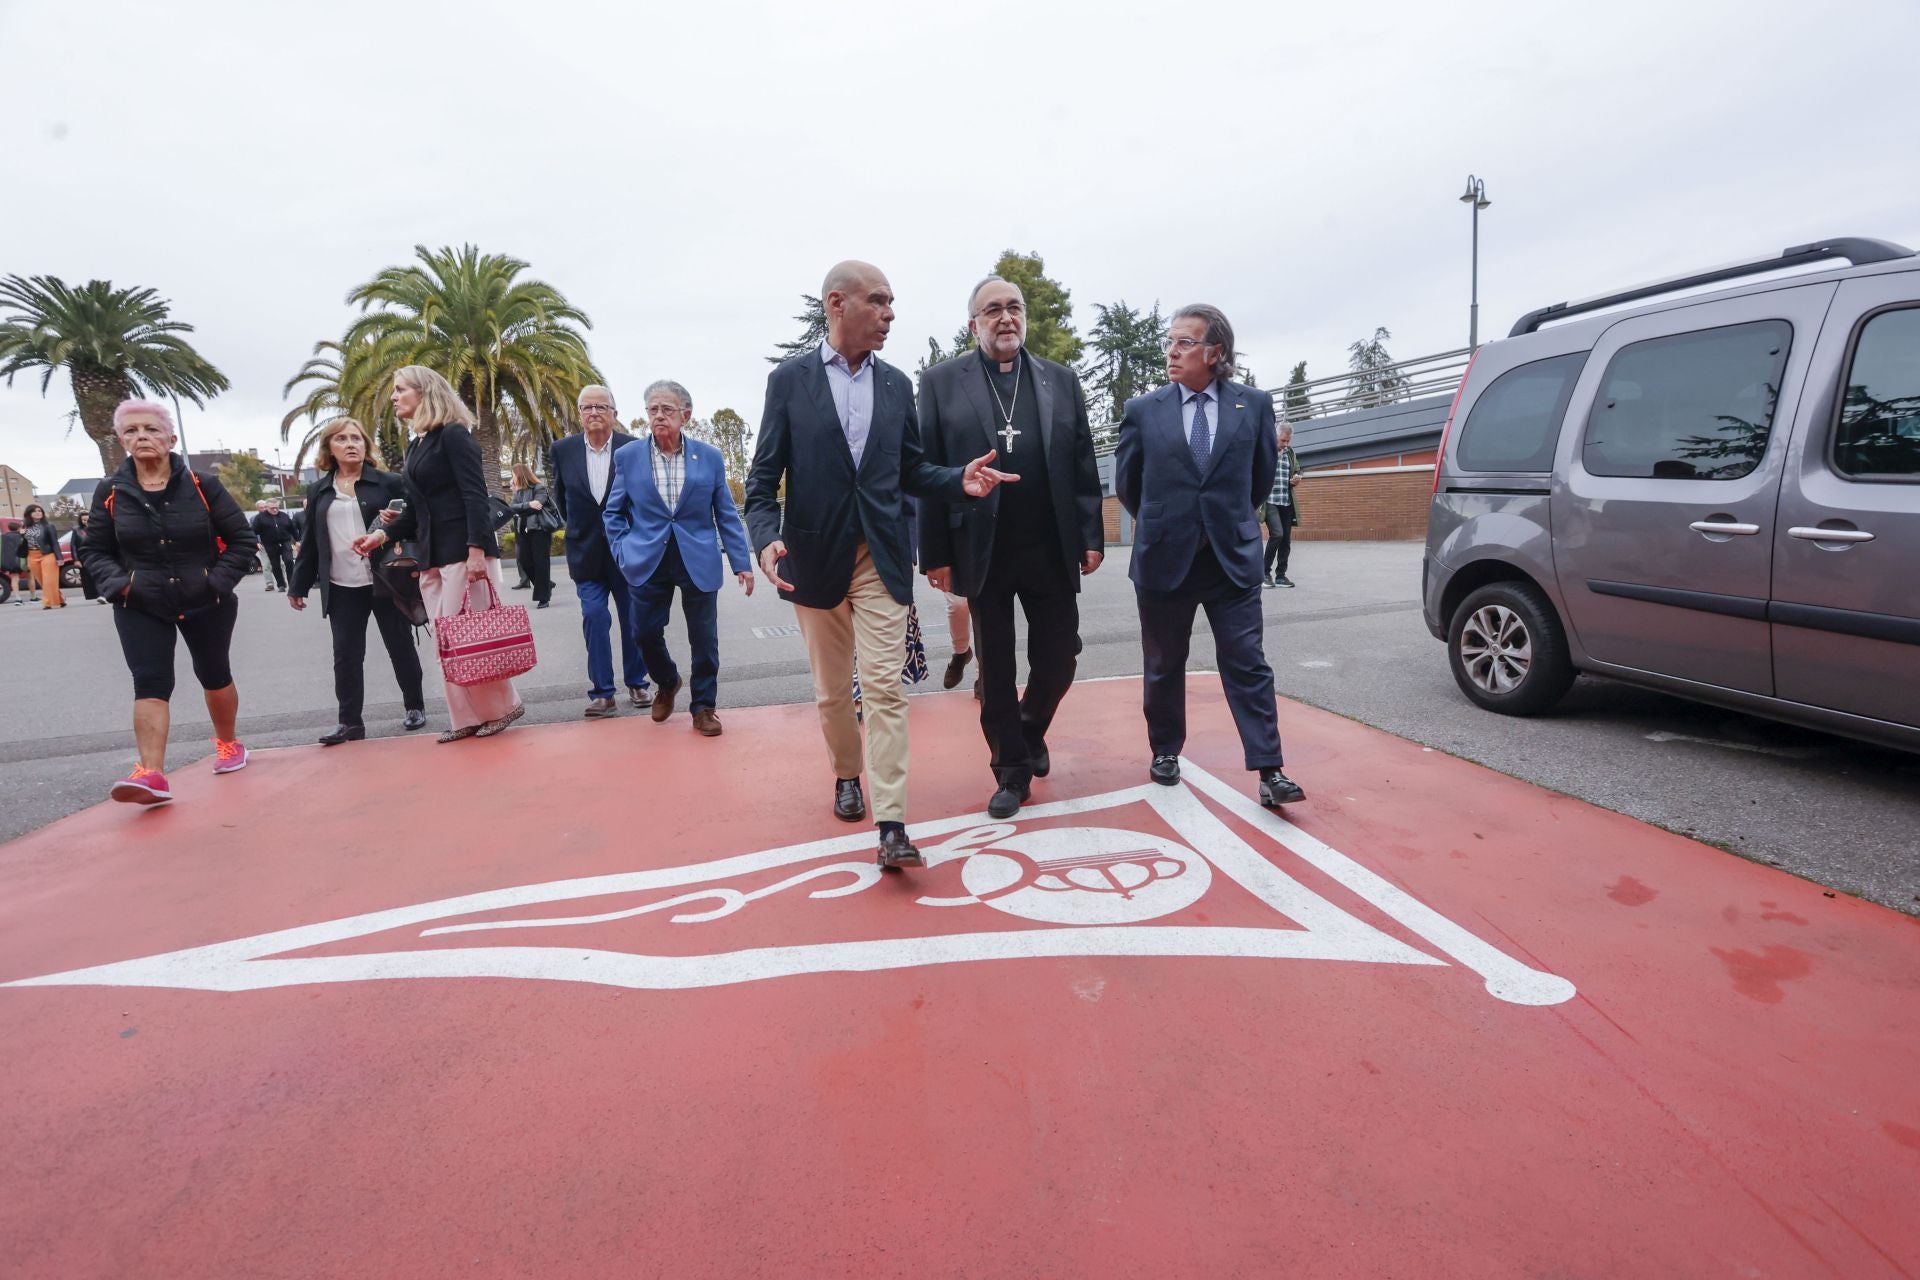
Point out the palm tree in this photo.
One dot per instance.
(343, 382)
(112, 343)
(503, 342)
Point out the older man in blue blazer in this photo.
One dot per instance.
(668, 515)
(1195, 461)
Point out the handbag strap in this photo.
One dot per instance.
(466, 600)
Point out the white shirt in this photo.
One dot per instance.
(599, 469)
(1187, 396)
(345, 566)
(852, 396)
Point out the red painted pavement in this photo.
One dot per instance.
(1731, 1092)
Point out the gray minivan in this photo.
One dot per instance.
(1717, 495)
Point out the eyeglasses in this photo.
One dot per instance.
(998, 309)
(596, 408)
(1170, 345)
(663, 410)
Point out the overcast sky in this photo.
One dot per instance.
(683, 174)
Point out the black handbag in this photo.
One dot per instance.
(396, 578)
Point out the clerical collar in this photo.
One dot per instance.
(993, 366)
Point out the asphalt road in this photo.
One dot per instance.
(1348, 639)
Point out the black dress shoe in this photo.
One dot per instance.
(1282, 580)
(1277, 788)
(848, 804)
(1042, 763)
(896, 851)
(1007, 801)
(1165, 770)
(344, 733)
(956, 667)
(416, 719)
(543, 604)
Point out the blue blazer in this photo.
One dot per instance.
(639, 523)
(831, 505)
(1175, 505)
(587, 557)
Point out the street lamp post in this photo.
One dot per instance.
(1476, 196)
(180, 429)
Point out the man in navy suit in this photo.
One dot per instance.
(840, 432)
(1195, 461)
(668, 515)
(582, 478)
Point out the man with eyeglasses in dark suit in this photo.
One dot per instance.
(1195, 461)
(1027, 545)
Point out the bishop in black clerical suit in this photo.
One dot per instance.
(1028, 542)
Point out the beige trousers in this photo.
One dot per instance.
(875, 624)
(959, 622)
(443, 590)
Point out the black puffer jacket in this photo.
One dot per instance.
(159, 549)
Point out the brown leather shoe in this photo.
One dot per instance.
(640, 698)
(663, 701)
(601, 708)
(897, 852)
(706, 723)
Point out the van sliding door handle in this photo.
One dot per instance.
(1724, 526)
(1808, 534)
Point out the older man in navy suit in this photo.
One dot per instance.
(1195, 461)
(841, 433)
(668, 515)
(582, 467)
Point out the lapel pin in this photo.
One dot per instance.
(1239, 406)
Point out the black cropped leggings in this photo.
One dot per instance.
(147, 642)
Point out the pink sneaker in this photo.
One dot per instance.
(142, 786)
(228, 757)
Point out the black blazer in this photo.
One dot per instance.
(832, 506)
(957, 425)
(446, 497)
(274, 528)
(160, 552)
(588, 559)
(313, 566)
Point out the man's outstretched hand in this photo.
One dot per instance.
(769, 564)
(979, 479)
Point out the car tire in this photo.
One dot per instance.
(1508, 650)
(70, 576)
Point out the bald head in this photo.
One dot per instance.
(859, 306)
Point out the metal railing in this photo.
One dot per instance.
(1371, 388)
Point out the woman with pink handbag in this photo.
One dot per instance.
(483, 643)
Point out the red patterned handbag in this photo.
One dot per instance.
(495, 643)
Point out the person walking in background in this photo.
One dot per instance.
(1280, 511)
(168, 546)
(582, 469)
(668, 515)
(1026, 546)
(341, 505)
(274, 528)
(42, 543)
(535, 519)
(841, 435)
(1195, 460)
(75, 542)
(447, 513)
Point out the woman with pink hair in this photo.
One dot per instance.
(167, 546)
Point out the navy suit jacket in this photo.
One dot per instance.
(587, 557)
(832, 506)
(639, 524)
(1175, 505)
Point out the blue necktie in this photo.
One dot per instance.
(1202, 440)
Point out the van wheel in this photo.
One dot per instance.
(1508, 650)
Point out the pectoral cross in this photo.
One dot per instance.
(1007, 434)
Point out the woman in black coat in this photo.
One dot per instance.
(168, 546)
(448, 519)
(341, 505)
(535, 519)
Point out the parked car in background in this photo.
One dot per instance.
(1716, 494)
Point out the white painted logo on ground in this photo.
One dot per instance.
(1099, 885)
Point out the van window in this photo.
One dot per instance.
(1879, 433)
(1690, 406)
(1515, 424)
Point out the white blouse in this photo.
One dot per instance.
(345, 566)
